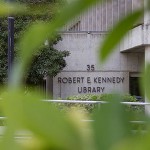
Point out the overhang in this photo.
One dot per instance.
(136, 39)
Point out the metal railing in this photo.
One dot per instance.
(95, 102)
(90, 102)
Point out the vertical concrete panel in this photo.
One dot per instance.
(113, 62)
(104, 21)
(133, 62)
(109, 14)
(84, 22)
(136, 4)
(115, 11)
(147, 14)
(98, 18)
(123, 61)
(141, 60)
(89, 25)
(128, 8)
(105, 14)
(121, 8)
(94, 20)
(147, 61)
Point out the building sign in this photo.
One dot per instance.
(72, 83)
(97, 81)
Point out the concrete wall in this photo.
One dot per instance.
(137, 37)
(76, 78)
(80, 82)
(103, 16)
(83, 36)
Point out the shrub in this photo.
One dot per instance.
(105, 97)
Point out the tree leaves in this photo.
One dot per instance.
(46, 53)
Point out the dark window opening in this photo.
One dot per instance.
(135, 88)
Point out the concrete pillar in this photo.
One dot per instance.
(147, 61)
(146, 13)
(49, 87)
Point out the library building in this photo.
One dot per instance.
(83, 36)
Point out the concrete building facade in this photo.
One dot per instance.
(83, 36)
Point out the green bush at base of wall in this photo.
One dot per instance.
(105, 97)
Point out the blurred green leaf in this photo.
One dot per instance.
(117, 34)
(145, 84)
(9, 8)
(49, 8)
(8, 137)
(47, 123)
(111, 124)
(29, 44)
(136, 143)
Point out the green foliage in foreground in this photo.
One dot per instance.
(41, 126)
